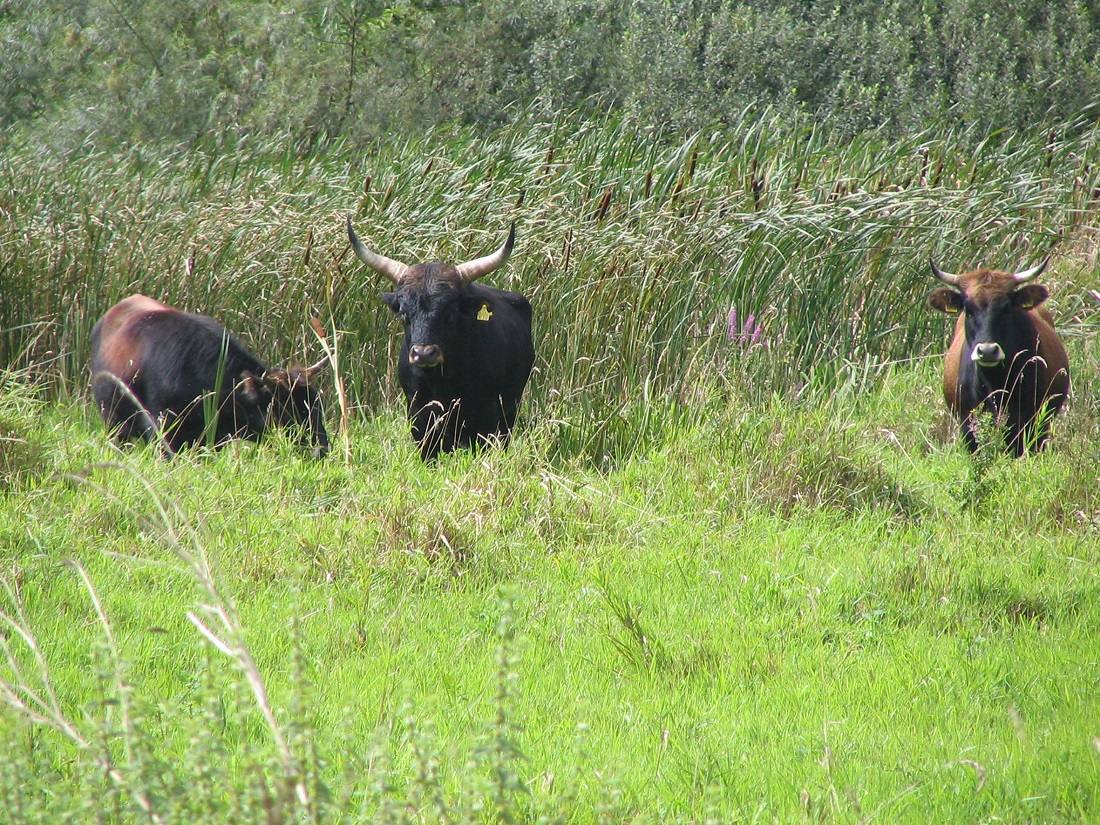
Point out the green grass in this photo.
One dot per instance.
(782, 613)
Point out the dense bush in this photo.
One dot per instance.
(315, 69)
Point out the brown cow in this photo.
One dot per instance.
(1005, 358)
(159, 373)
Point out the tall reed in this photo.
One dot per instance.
(633, 251)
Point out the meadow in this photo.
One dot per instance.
(730, 570)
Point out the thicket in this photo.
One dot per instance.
(312, 70)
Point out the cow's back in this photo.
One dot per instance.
(951, 364)
(501, 358)
(505, 340)
(117, 338)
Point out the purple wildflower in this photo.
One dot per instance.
(746, 330)
(748, 334)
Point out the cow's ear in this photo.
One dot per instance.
(251, 388)
(391, 301)
(946, 300)
(1030, 295)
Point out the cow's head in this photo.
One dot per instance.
(988, 299)
(432, 299)
(289, 398)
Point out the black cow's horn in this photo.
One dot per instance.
(1029, 274)
(946, 277)
(394, 270)
(472, 270)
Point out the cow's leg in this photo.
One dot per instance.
(427, 429)
(122, 411)
(968, 430)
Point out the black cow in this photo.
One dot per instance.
(467, 352)
(1005, 357)
(159, 372)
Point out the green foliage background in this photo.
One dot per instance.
(310, 70)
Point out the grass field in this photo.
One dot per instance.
(779, 614)
(712, 580)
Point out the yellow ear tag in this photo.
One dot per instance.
(484, 314)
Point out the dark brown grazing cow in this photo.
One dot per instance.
(159, 372)
(1005, 359)
(467, 352)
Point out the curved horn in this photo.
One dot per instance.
(472, 270)
(394, 270)
(946, 277)
(1030, 274)
(315, 368)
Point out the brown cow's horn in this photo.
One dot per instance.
(313, 370)
(394, 270)
(1029, 274)
(472, 270)
(946, 277)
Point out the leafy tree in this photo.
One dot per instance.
(313, 70)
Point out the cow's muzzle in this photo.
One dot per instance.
(987, 354)
(425, 355)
